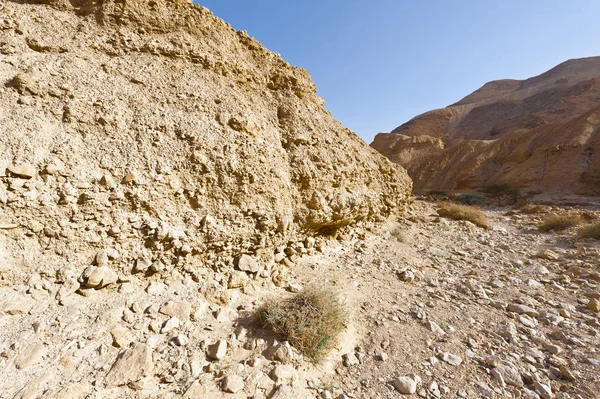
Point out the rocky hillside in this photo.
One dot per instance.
(152, 155)
(536, 134)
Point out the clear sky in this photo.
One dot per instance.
(378, 63)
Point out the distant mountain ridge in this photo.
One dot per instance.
(540, 134)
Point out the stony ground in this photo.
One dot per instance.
(440, 308)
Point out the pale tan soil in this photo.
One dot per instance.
(453, 262)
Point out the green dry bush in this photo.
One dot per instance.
(469, 199)
(589, 231)
(463, 212)
(560, 222)
(531, 209)
(311, 321)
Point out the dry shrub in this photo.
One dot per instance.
(561, 222)
(531, 209)
(589, 231)
(311, 320)
(463, 212)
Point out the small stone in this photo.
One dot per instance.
(246, 263)
(233, 383)
(156, 267)
(485, 391)
(284, 374)
(567, 373)
(451, 359)
(131, 365)
(554, 349)
(122, 337)
(511, 375)
(283, 353)
(522, 309)
(405, 385)
(24, 171)
(548, 254)
(435, 328)
(218, 350)
(350, 359)
(156, 287)
(181, 309)
(543, 390)
(141, 265)
(101, 277)
(170, 325)
(594, 305)
(181, 340)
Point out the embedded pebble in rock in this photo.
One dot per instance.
(246, 263)
(25, 171)
(405, 385)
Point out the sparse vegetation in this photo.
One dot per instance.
(311, 321)
(561, 222)
(437, 195)
(503, 193)
(589, 231)
(470, 199)
(531, 209)
(463, 212)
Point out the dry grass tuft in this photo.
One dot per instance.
(531, 209)
(561, 222)
(463, 212)
(311, 320)
(589, 231)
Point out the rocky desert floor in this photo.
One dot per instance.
(439, 309)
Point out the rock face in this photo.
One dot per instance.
(169, 125)
(536, 134)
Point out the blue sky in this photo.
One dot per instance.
(378, 63)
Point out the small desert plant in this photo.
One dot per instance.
(589, 231)
(502, 193)
(437, 194)
(463, 212)
(534, 209)
(311, 321)
(470, 199)
(560, 222)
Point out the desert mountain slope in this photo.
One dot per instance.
(537, 134)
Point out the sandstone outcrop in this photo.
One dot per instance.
(158, 128)
(536, 134)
